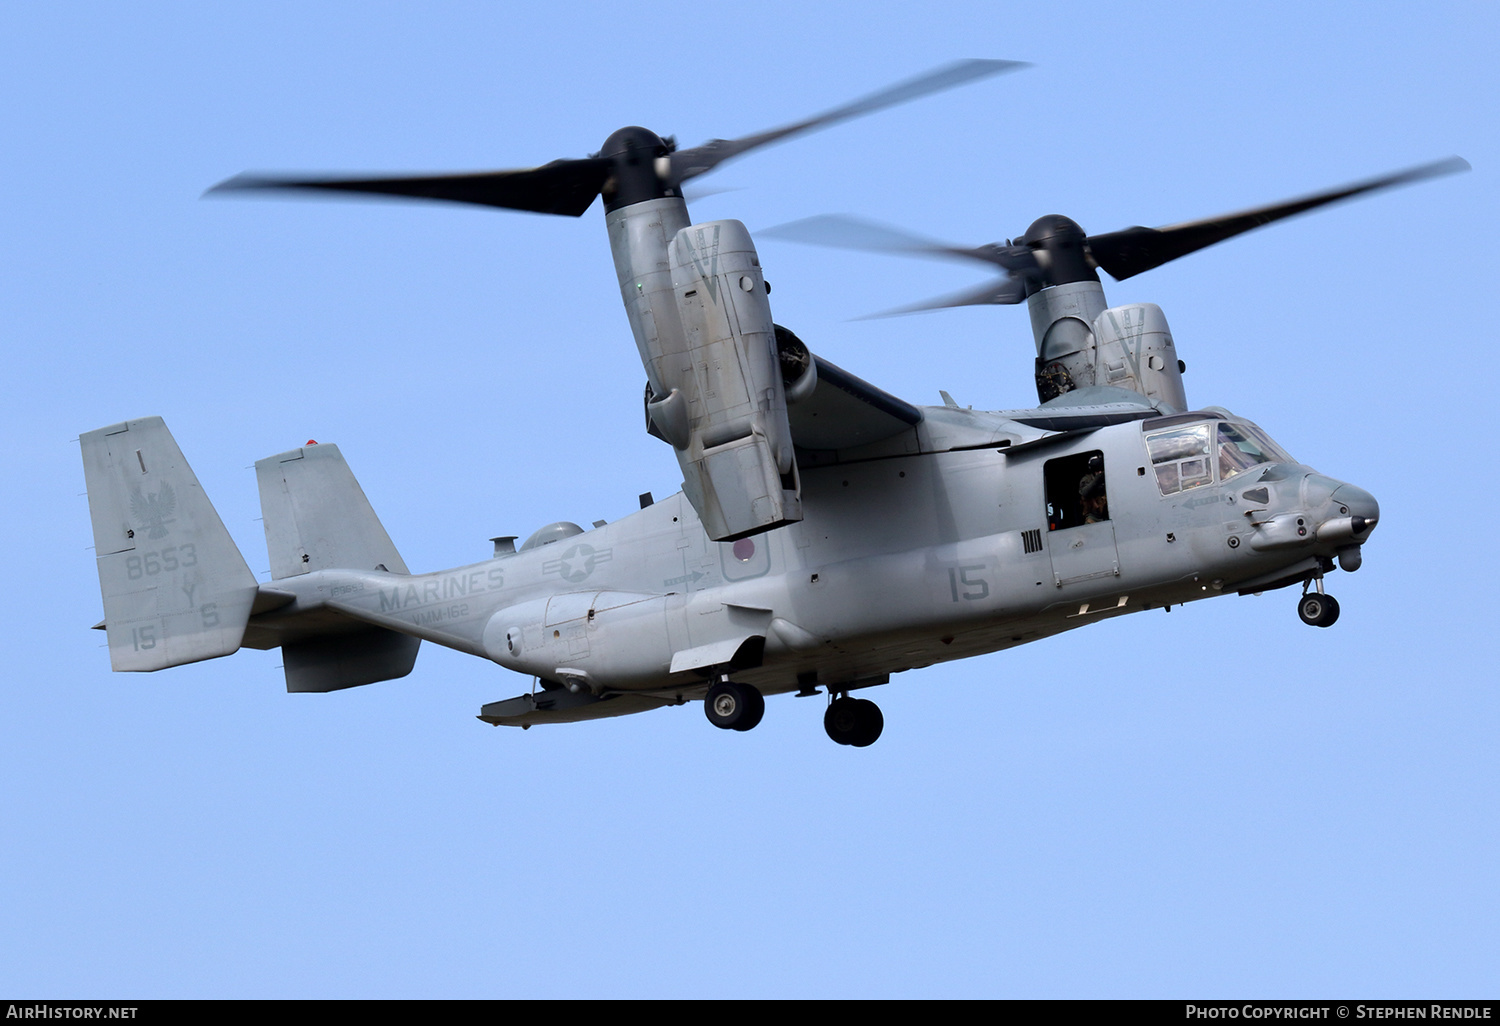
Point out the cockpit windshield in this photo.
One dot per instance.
(1262, 441)
(1236, 452)
(1188, 455)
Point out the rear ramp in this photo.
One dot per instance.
(176, 589)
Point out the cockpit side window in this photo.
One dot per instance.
(1238, 452)
(1181, 457)
(1185, 457)
(1075, 490)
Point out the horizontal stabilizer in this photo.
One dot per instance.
(348, 660)
(176, 589)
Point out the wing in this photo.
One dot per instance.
(845, 411)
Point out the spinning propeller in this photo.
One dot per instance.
(635, 164)
(1055, 250)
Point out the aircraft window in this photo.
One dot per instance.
(1180, 457)
(1263, 441)
(1178, 443)
(1196, 472)
(1238, 452)
(1075, 490)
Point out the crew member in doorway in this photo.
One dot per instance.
(1091, 492)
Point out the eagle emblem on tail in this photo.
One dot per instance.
(153, 511)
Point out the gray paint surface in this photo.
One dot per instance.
(913, 550)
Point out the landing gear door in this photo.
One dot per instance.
(1081, 536)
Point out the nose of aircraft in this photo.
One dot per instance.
(1352, 514)
(1305, 508)
(1359, 502)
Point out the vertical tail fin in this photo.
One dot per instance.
(176, 589)
(318, 518)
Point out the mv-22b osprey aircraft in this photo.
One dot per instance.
(828, 534)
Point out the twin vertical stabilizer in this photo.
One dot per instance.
(317, 516)
(176, 589)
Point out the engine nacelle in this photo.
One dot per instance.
(725, 407)
(1082, 345)
(799, 368)
(697, 304)
(1134, 350)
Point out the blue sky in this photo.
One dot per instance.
(1220, 803)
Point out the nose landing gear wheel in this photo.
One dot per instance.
(731, 706)
(853, 721)
(1318, 610)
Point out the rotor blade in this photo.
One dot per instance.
(998, 293)
(565, 187)
(697, 193)
(1133, 250)
(843, 232)
(692, 162)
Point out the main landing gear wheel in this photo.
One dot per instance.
(1318, 610)
(853, 721)
(731, 706)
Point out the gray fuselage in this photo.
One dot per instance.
(928, 547)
